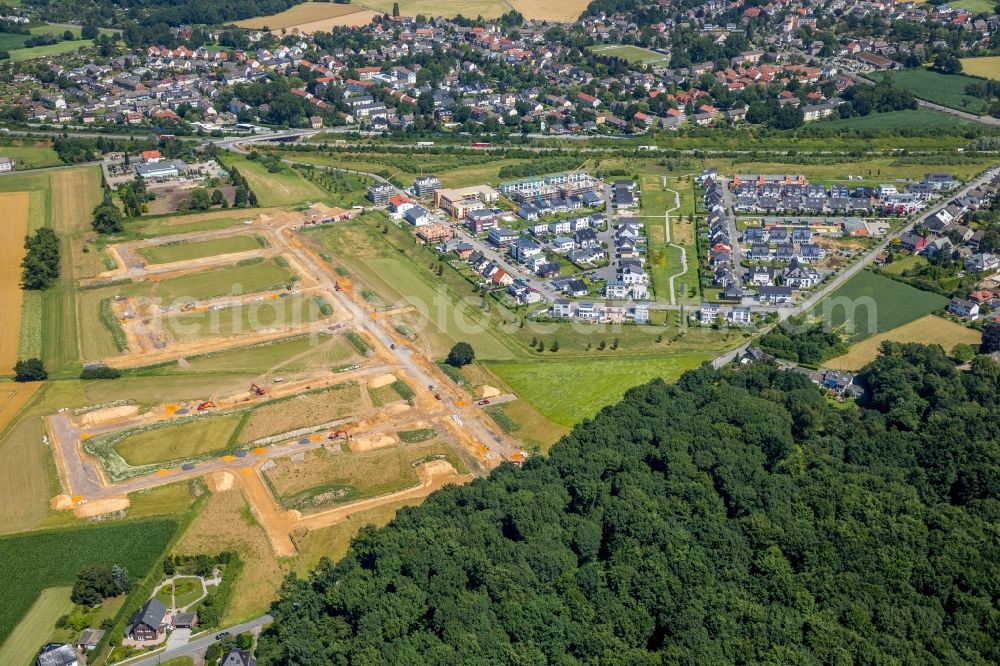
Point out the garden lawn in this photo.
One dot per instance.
(569, 391)
(178, 442)
(34, 561)
(868, 304)
(171, 252)
(944, 89)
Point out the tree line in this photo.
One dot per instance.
(734, 517)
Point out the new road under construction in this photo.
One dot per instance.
(388, 394)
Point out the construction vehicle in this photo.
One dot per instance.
(202, 406)
(337, 287)
(340, 434)
(258, 390)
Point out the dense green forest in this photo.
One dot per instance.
(735, 517)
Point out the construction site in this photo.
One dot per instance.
(346, 389)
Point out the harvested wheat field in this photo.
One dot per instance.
(564, 11)
(360, 18)
(226, 523)
(13, 227)
(303, 411)
(311, 17)
(13, 397)
(928, 330)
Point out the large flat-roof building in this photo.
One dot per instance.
(161, 170)
(458, 202)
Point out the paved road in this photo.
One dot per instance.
(198, 645)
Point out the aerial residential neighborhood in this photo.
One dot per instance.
(591, 331)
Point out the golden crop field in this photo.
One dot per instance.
(446, 8)
(928, 330)
(988, 67)
(311, 17)
(13, 227)
(550, 10)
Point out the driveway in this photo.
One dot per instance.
(178, 638)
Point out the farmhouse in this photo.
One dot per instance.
(7, 164)
(147, 622)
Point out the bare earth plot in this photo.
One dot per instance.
(928, 330)
(13, 227)
(310, 17)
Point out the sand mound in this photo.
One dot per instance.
(436, 468)
(100, 507)
(108, 414)
(220, 481)
(487, 391)
(362, 444)
(398, 408)
(381, 380)
(61, 502)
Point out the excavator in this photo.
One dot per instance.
(257, 390)
(208, 404)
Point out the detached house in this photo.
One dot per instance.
(147, 622)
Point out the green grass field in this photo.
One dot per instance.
(165, 254)
(284, 356)
(35, 561)
(868, 304)
(908, 262)
(569, 391)
(31, 154)
(926, 119)
(285, 188)
(944, 89)
(49, 50)
(280, 313)
(633, 54)
(161, 225)
(975, 6)
(36, 626)
(177, 442)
